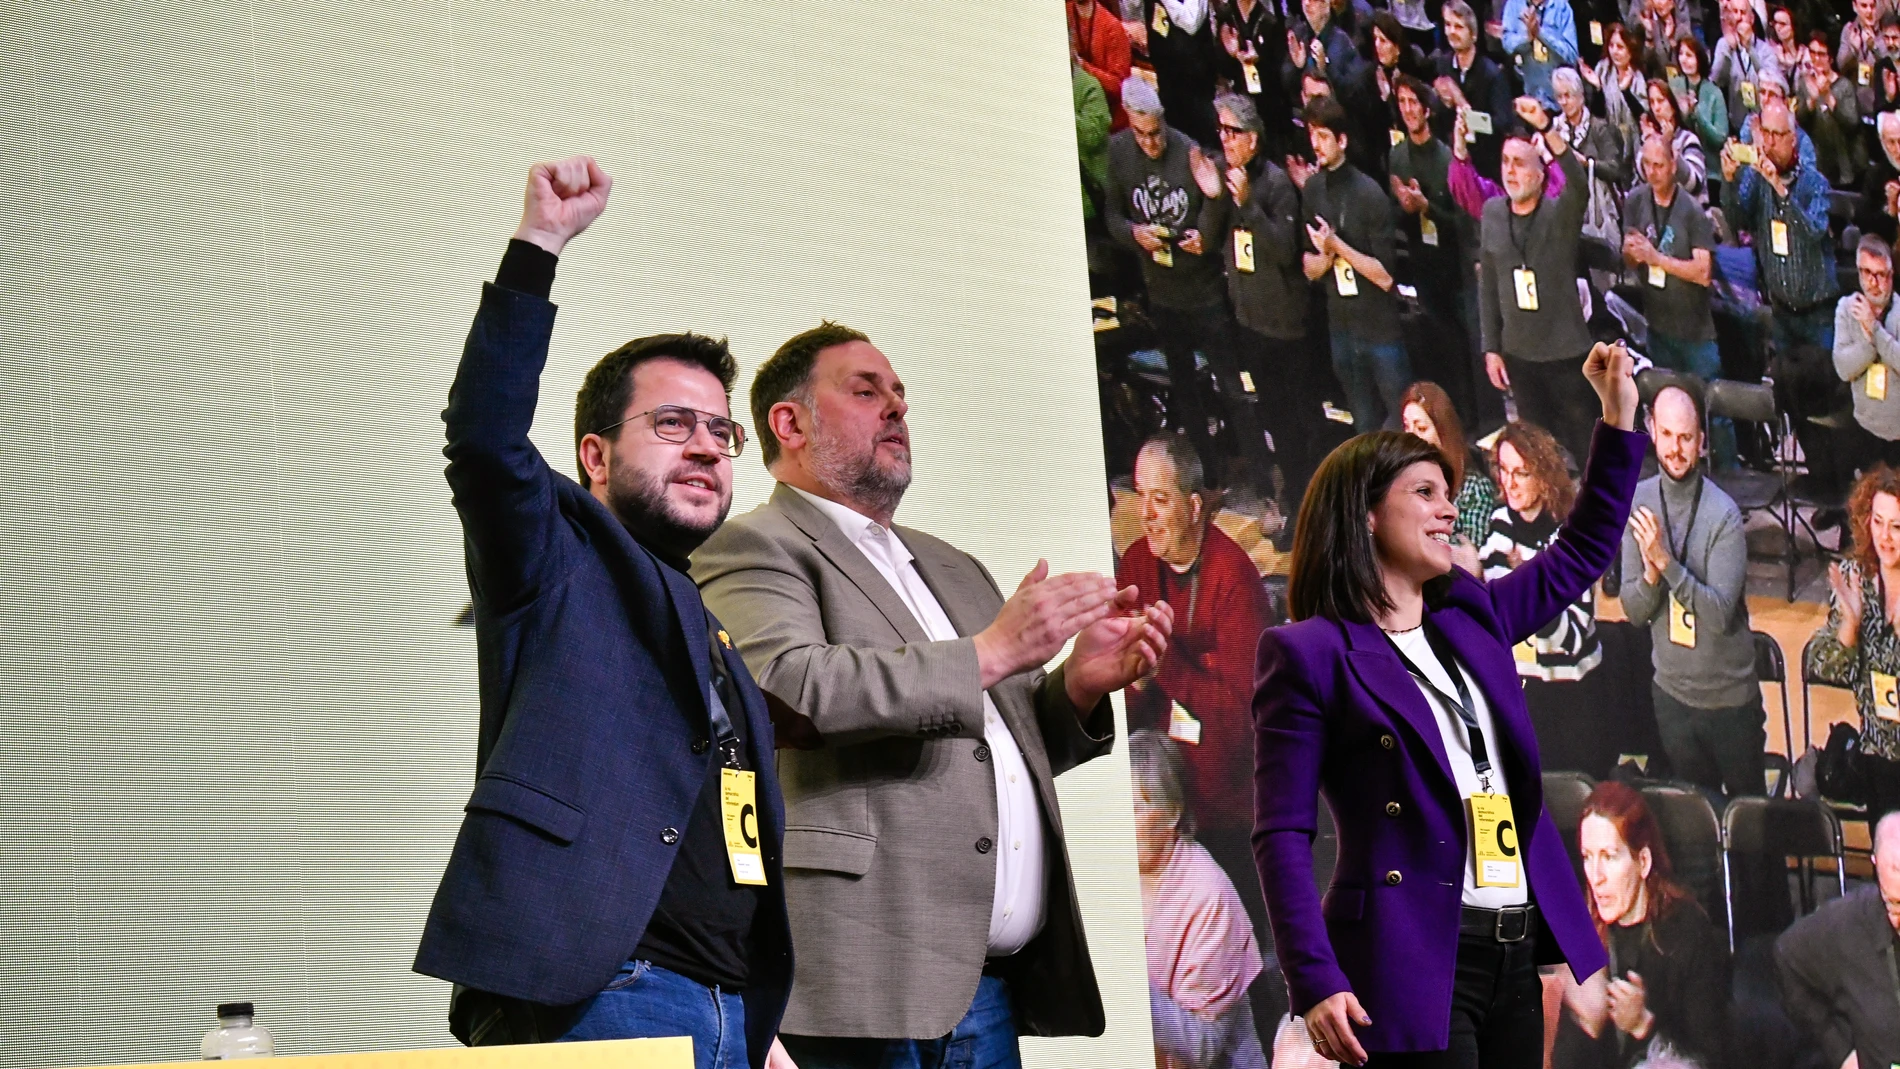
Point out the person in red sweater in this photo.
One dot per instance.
(1200, 696)
(1101, 47)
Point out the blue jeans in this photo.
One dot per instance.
(1703, 360)
(984, 1039)
(643, 1001)
(1371, 372)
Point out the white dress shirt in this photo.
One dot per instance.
(1016, 910)
(1464, 771)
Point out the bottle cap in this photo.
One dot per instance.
(236, 1009)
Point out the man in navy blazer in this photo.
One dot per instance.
(592, 893)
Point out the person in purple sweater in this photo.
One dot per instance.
(1395, 696)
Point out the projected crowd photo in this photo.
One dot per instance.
(1312, 220)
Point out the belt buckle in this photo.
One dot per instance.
(1523, 915)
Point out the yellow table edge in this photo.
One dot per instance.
(674, 1052)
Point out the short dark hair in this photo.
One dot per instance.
(608, 388)
(1422, 92)
(787, 373)
(1328, 113)
(1335, 569)
(1890, 18)
(1696, 48)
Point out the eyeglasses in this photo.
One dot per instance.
(1229, 130)
(676, 423)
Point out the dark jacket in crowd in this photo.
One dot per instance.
(1488, 89)
(1262, 34)
(1546, 242)
(1185, 64)
(1683, 961)
(1804, 278)
(1871, 216)
(1143, 190)
(1444, 267)
(1838, 979)
(1271, 299)
(1361, 213)
(1342, 58)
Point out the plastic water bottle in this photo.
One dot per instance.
(236, 1036)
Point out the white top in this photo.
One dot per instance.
(1016, 910)
(1451, 728)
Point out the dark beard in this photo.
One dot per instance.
(638, 498)
(858, 476)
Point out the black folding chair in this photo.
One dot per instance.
(1841, 810)
(1778, 829)
(1754, 402)
(1771, 666)
(1564, 795)
(1693, 836)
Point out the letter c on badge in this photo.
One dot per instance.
(1508, 847)
(751, 838)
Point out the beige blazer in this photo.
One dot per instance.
(889, 894)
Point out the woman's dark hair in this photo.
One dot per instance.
(1432, 397)
(1695, 47)
(1633, 42)
(1335, 569)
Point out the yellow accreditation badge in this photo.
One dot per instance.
(738, 806)
(1243, 250)
(1596, 32)
(1886, 700)
(1657, 277)
(1524, 652)
(1182, 727)
(1681, 623)
(1160, 22)
(1525, 281)
(1778, 237)
(1866, 74)
(1494, 838)
(1164, 255)
(1539, 52)
(1876, 382)
(1427, 230)
(1344, 279)
(1398, 135)
(1251, 72)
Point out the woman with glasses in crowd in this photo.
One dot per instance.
(1556, 662)
(1668, 981)
(1786, 41)
(1701, 103)
(1827, 107)
(1394, 697)
(1426, 410)
(1621, 86)
(1858, 647)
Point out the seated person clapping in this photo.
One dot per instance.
(1668, 981)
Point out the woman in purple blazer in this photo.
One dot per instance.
(1396, 696)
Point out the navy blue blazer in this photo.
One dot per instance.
(594, 671)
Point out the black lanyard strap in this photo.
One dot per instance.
(723, 731)
(1465, 708)
(1669, 534)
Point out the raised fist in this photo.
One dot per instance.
(563, 199)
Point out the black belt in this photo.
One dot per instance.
(1512, 924)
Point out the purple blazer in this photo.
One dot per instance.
(1336, 713)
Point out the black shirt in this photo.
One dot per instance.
(702, 927)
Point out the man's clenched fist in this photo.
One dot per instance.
(563, 199)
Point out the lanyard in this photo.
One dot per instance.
(1194, 590)
(1669, 533)
(1464, 707)
(1530, 227)
(715, 704)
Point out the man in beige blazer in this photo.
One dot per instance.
(933, 911)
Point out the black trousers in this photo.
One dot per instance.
(1554, 395)
(1716, 749)
(1497, 1011)
(1861, 450)
(1210, 331)
(1290, 380)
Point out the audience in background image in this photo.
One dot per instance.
(1837, 966)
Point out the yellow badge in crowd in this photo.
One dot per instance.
(1344, 279)
(1539, 52)
(1681, 623)
(1182, 727)
(1398, 135)
(1596, 32)
(1161, 19)
(1246, 382)
(1876, 382)
(1251, 72)
(725, 640)
(1657, 276)
(1778, 237)
(1494, 838)
(1866, 76)
(738, 805)
(1672, 72)
(1748, 96)
(1524, 652)
(1525, 280)
(1164, 255)
(1886, 700)
(1243, 250)
(1428, 230)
